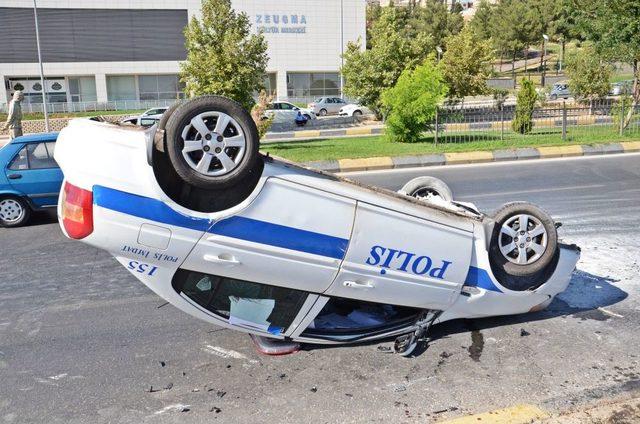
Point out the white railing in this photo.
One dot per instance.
(92, 106)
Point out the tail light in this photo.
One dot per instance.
(77, 211)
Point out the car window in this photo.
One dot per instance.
(328, 100)
(39, 157)
(20, 161)
(337, 100)
(286, 106)
(243, 303)
(147, 122)
(319, 100)
(51, 148)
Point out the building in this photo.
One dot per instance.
(121, 50)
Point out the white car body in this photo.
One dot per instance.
(319, 237)
(287, 112)
(148, 118)
(352, 108)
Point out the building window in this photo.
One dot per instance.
(313, 84)
(144, 87)
(270, 84)
(121, 88)
(160, 87)
(82, 89)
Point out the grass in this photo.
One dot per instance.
(363, 147)
(34, 116)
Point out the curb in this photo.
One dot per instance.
(519, 414)
(335, 132)
(544, 152)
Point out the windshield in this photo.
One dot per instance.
(318, 100)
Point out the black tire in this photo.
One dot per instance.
(323, 112)
(554, 97)
(306, 115)
(357, 113)
(537, 266)
(14, 204)
(423, 186)
(247, 161)
(160, 140)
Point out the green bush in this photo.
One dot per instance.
(411, 104)
(525, 104)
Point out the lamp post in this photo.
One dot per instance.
(341, 48)
(44, 92)
(439, 50)
(545, 38)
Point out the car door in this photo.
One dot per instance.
(290, 236)
(34, 172)
(399, 259)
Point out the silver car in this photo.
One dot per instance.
(285, 111)
(324, 106)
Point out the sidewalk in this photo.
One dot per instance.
(4, 139)
(378, 163)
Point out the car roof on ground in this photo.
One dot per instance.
(35, 138)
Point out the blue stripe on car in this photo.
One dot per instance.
(145, 207)
(281, 236)
(238, 227)
(478, 277)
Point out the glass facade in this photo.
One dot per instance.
(160, 87)
(121, 88)
(144, 87)
(270, 84)
(313, 84)
(82, 89)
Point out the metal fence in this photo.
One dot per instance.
(559, 121)
(92, 106)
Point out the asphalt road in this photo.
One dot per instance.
(81, 341)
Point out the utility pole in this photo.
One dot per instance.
(44, 91)
(341, 48)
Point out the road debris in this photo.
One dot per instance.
(178, 407)
(524, 333)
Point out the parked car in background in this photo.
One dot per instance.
(560, 90)
(352, 110)
(148, 118)
(30, 178)
(621, 88)
(282, 111)
(324, 106)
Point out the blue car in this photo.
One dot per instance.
(30, 178)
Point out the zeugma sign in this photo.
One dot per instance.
(280, 23)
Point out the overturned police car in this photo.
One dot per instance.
(254, 243)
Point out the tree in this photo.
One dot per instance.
(481, 21)
(466, 64)
(614, 27)
(525, 104)
(588, 74)
(411, 104)
(515, 27)
(223, 57)
(368, 73)
(433, 19)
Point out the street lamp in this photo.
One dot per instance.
(545, 38)
(341, 49)
(439, 50)
(44, 92)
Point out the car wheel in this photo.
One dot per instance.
(306, 115)
(212, 142)
(524, 246)
(427, 188)
(323, 112)
(357, 113)
(553, 97)
(14, 212)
